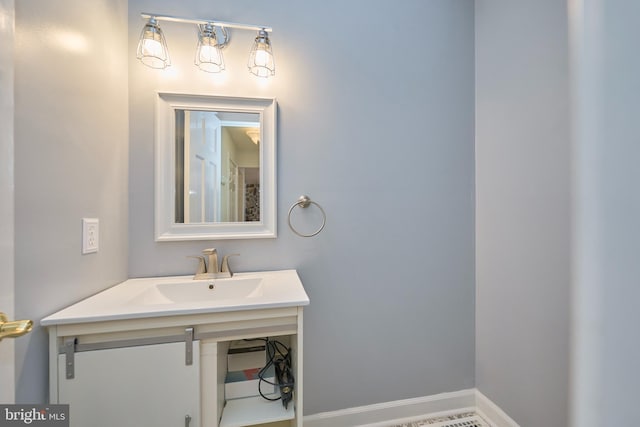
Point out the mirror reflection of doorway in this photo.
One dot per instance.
(241, 172)
(215, 152)
(202, 155)
(241, 194)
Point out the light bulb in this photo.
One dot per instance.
(208, 54)
(152, 47)
(261, 61)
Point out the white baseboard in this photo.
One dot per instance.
(399, 411)
(492, 412)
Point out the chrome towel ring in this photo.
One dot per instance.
(304, 202)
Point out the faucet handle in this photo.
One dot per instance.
(225, 264)
(202, 266)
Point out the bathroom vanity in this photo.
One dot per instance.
(153, 351)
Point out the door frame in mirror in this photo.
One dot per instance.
(166, 229)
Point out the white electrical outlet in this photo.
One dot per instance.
(90, 235)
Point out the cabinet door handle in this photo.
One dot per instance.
(188, 341)
(187, 420)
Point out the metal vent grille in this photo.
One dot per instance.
(460, 420)
(474, 421)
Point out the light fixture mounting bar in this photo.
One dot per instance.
(213, 22)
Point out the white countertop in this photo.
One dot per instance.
(181, 295)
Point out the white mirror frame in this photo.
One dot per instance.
(165, 227)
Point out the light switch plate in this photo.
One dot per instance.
(90, 235)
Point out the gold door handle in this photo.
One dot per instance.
(13, 329)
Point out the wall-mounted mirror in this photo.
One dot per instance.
(215, 167)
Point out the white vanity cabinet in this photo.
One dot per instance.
(166, 370)
(132, 386)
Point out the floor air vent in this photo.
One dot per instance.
(460, 420)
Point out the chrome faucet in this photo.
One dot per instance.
(209, 270)
(212, 266)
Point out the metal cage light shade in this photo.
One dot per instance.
(261, 61)
(152, 47)
(208, 54)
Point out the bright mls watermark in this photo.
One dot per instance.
(34, 415)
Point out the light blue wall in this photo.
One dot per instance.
(606, 91)
(523, 212)
(71, 160)
(376, 123)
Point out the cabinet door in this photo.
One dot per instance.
(133, 387)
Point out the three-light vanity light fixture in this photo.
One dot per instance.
(153, 51)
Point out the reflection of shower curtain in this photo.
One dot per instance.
(252, 202)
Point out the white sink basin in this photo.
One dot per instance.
(199, 290)
(177, 295)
